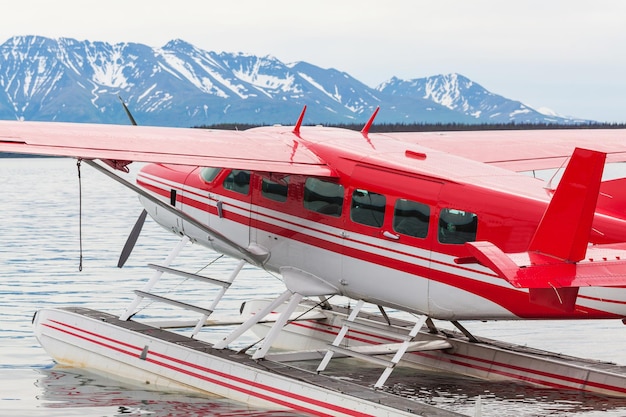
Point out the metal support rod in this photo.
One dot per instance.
(278, 326)
(464, 331)
(401, 351)
(155, 278)
(340, 336)
(246, 325)
(218, 298)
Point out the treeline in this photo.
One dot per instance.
(438, 127)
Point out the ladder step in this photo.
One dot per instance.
(392, 348)
(377, 330)
(369, 358)
(184, 274)
(181, 304)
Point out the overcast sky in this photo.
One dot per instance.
(566, 55)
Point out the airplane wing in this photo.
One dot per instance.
(278, 150)
(275, 151)
(522, 150)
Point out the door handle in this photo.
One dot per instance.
(390, 235)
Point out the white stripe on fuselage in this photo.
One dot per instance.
(368, 245)
(333, 235)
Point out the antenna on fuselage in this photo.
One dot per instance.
(368, 125)
(296, 128)
(549, 185)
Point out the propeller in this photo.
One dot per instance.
(128, 113)
(132, 239)
(134, 234)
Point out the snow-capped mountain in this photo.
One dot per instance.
(462, 95)
(181, 85)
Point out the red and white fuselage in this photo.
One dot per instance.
(380, 232)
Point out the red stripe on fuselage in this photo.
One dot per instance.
(514, 300)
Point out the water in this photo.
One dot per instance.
(39, 267)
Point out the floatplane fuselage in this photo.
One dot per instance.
(412, 241)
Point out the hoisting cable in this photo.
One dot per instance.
(80, 217)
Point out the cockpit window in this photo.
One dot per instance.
(457, 226)
(208, 174)
(238, 181)
(323, 197)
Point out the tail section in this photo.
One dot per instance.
(566, 224)
(559, 258)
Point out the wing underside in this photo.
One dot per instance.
(279, 151)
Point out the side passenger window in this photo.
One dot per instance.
(275, 190)
(238, 181)
(323, 197)
(457, 226)
(367, 208)
(411, 218)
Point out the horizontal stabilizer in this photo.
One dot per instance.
(604, 266)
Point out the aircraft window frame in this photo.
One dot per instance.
(324, 197)
(238, 180)
(457, 226)
(275, 190)
(364, 210)
(411, 220)
(208, 174)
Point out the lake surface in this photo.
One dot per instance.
(39, 267)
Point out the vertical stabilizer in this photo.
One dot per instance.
(566, 224)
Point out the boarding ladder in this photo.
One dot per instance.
(160, 270)
(372, 353)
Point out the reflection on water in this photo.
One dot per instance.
(39, 253)
(64, 388)
(498, 399)
(461, 394)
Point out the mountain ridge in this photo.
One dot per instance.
(181, 85)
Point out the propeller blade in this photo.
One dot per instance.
(128, 113)
(132, 239)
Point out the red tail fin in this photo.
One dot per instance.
(565, 227)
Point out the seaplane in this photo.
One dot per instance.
(422, 227)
